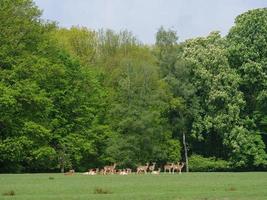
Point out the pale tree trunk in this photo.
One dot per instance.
(62, 160)
(62, 163)
(185, 153)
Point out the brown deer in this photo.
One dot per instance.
(178, 167)
(152, 167)
(101, 172)
(110, 169)
(129, 170)
(168, 167)
(142, 168)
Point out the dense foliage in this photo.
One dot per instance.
(78, 98)
(209, 164)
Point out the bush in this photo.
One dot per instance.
(99, 190)
(9, 193)
(198, 163)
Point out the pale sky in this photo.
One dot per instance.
(190, 18)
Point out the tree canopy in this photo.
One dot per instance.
(80, 98)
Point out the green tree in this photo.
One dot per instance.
(176, 72)
(136, 109)
(48, 100)
(166, 50)
(80, 42)
(247, 55)
(219, 122)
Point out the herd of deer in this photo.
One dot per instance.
(111, 169)
(170, 167)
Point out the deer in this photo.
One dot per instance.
(168, 167)
(156, 172)
(142, 168)
(129, 170)
(109, 169)
(123, 172)
(71, 172)
(178, 167)
(152, 167)
(101, 172)
(92, 172)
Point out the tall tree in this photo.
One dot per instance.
(48, 100)
(219, 122)
(176, 72)
(136, 109)
(80, 42)
(247, 40)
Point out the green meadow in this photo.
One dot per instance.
(197, 186)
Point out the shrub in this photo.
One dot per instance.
(9, 193)
(99, 190)
(198, 163)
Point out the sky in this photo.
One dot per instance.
(190, 18)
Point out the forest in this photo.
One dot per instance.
(81, 98)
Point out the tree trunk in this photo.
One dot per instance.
(62, 169)
(62, 164)
(62, 161)
(185, 153)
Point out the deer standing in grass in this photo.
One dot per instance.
(142, 168)
(168, 167)
(129, 170)
(152, 167)
(101, 172)
(178, 167)
(109, 169)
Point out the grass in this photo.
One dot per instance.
(192, 186)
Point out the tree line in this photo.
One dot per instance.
(80, 98)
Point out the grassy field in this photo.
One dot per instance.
(197, 186)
